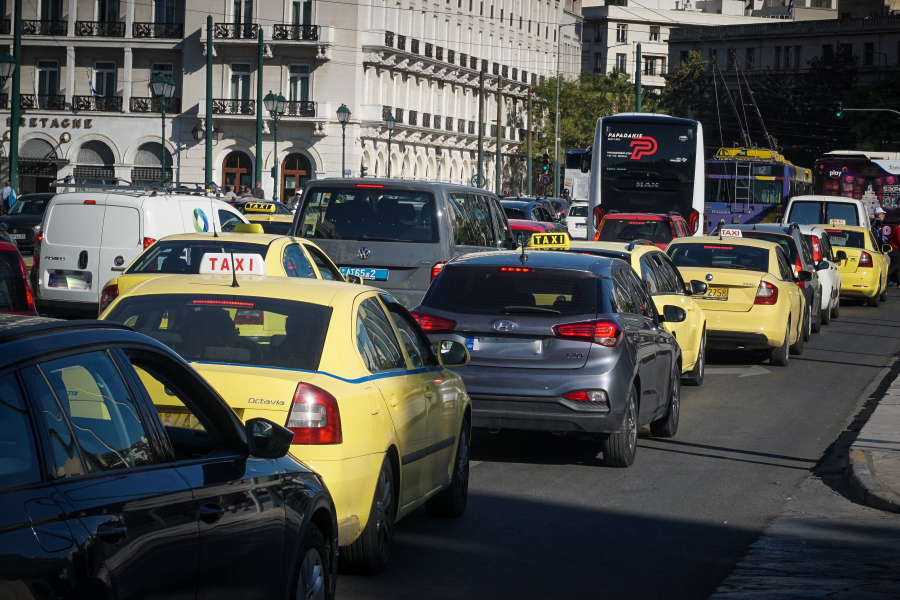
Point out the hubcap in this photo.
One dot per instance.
(311, 584)
(383, 523)
(632, 426)
(676, 394)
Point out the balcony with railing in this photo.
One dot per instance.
(5, 27)
(437, 121)
(99, 29)
(401, 42)
(426, 120)
(438, 53)
(451, 57)
(45, 28)
(386, 111)
(429, 50)
(43, 102)
(167, 31)
(413, 118)
(236, 31)
(398, 115)
(300, 108)
(151, 105)
(97, 103)
(414, 46)
(297, 33)
(224, 106)
(504, 71)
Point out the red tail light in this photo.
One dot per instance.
(314, 417)
(436, 269)
(817, 249)
(29, 297)
(766, 293)
(798, 266)
(604, 333)
(249, 317)
(36, 255)
(515, 270)
(598, 217)
(109, 293)
(432, 323)
(865, 260)
(148, 242)
(693, 221)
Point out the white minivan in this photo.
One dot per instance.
(88, 237)
(822, 210)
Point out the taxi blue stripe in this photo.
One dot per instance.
(386, 375)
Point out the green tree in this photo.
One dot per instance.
(688, 90)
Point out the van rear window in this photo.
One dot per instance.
(183, 256)
(578, 211)
(369, 212)
(817, 212)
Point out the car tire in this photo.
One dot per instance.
(450, 503)
(836, 308)
(780, 356)
(313, 577)
(825, 316)
(797, 347)
(807, 325)
(874, 300)
(695, 377)
(667, 425)
(619, 448)
(884, 290)
(816, 319)
(369, 553)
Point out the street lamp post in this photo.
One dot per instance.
(556, 130)
(163, 88)
(276, 105)
(7, 68)
(343, 115)
(389, 123)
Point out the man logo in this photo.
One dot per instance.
(201, 224)
(363, 253)
(504, 326)
(643, 146)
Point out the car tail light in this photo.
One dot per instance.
(432, 323)
(515, 270)
(598, 217)
(148, 242)
(109, 293)
(604, 333)
(587, 396)
(816, 248)
(437, 268)
(865, 259)
(249, 317)
(693, 221)
(314, 417)
(798, 266)
(29, 297)
(766, 293)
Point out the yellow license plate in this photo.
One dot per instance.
(716, 293)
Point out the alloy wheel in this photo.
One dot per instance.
(384, 524)
(632, 427)
(311, 584)
(463, 470)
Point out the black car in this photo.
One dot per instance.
(23, 222)
(528, 210)
(124, 474)
(280, 209)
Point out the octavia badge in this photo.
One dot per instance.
(709, 277)
(363, 253)
(504, 325)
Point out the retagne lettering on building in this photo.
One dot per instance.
(54, 123)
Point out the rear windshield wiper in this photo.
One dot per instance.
(527, 309)
(372, 238)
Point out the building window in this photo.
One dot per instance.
(777, 57)
(105, 79)
(845, 51)
(649, 66)
(621, 64)
(654, 34)
(868, 54)
(713, 58)
(240, 81)
(621, 33)
(730, 64)
(827, 51)
(301, 12)
(243, 11)
(598, 33)
(684, 56)
(160, 68)
(751, 59)
(481, 9)
(787, 57)
(51, 10)
(598, 62)
(108, 11)
(164, 11)
(237, 169)
(796, 56)
(48, 78)
(299, 83)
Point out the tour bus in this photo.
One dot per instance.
(867, 175)
(574, 180)
(751, 185)
(646, 163)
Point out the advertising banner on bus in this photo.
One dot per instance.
(875, 182)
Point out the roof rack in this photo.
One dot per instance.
(167, 187)
(640, 242)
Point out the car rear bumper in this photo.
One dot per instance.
(760, 327)
(66, 309)
(739, 339)
(863, 283)
(540, 414)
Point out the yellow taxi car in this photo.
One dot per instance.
(266, 214)
(665, 285)
(752, 300)
(861, 261)
(284, 256)
(347, 369)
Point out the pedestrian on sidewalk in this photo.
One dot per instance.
(7, 197)
(258, 192)
(246, 193)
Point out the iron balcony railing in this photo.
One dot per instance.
(99, 29)
(389, 39)
(151, 105)
(174, 31)
(413, 116)
(296, 32)
(386, 111)
(429, 49)
(43, 101)
(414, 46)
(451, 56)
(300, 108)
(401, 42)
(426, 120)
(97, 103)
(54, 28)
(5, 27)
(398, 114)
(437, 122)
(438, 53)
(234, 107)
(236, 31)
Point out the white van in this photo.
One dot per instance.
(89, 237)
(822, 210)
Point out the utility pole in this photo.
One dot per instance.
(209, 100)
(637, 81)
(528, 145)
(15, 99)
(259, 108)
(480, 180)
(498, 155)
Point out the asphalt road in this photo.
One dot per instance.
(546, 519)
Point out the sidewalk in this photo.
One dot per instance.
(873, 470)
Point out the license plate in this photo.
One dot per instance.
(17, 236)
(69, 282)
(716, 293)
(368, 274)
(577, 225)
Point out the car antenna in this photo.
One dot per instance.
(721, 226)
(234, 282)
(524, 257)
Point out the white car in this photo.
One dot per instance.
(822, 210)
(829, 276)
(576, 220)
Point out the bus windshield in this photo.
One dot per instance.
(649, 151)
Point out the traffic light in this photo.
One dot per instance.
(545, 165)
(362, 171)
(839, 109)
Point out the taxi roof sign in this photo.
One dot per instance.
(730, 233)
(220, 263)
(549, 241)
(262, 207)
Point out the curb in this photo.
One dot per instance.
(862, 481)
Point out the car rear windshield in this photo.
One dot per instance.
(514, 213)
(183, 256)
(12, 283)
(714, 256)
(578, 211)
(846, 239)
(30, 206)
(370, 213)
(242, 330)
(276, 227)
(490, 291)
(811, 212)
(786, 242)
(626, 230)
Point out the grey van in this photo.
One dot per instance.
(399, 233)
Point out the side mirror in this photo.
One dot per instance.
(355, 279)
(804, 276)
(886, 248)
(452, 354)
(698, 288)
(841, 256)
(267, 439)
(673, 314)
(822, 265)
(586, 159)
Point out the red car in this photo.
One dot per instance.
(15, 290)
(627, 227)
(525, 229)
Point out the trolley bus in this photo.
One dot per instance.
(648, 163)
(870, 176)
(751, 186)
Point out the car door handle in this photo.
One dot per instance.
(210, 513)
(428, 392)
(111, 532)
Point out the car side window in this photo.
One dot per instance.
(19, 463)
(228, 221)
(479, 210)
(324, 265)
(649, 278)
(644, 303)
(104, 417)
(806, 249)
(825, 248)
(501, 227)
(296, 264)
(375, 338)
(463, 233)
(417, 347)
(669, 273)
(622, 293)
(787, 274)
(875, 245)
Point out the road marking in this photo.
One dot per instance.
(742, 371)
